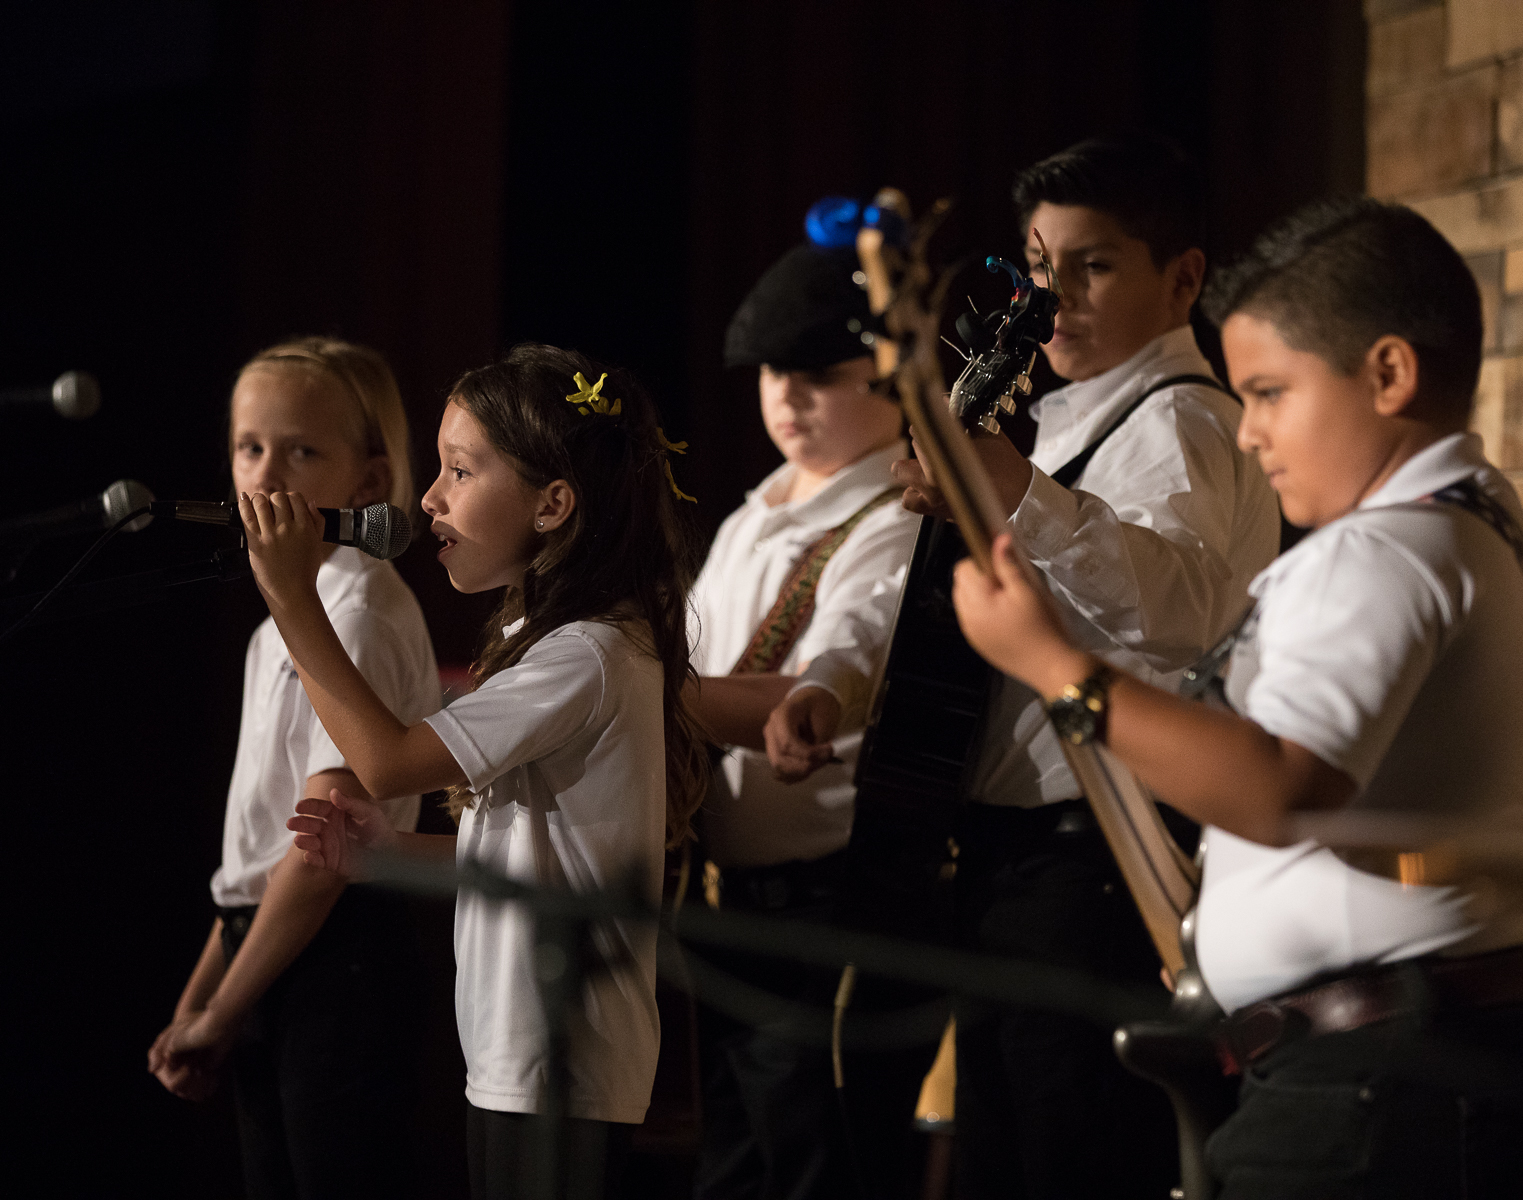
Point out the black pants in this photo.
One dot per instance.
(1390, 1111)
(505, 1156)
(325, 1072)
(1044, 1109)
(774, 1125)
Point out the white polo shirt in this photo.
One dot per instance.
(565, 752)
(1149, 555)
(751, 819)
(1390, 644)
(281, 743)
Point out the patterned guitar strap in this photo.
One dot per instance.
(791, 612)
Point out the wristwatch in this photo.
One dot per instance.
(1079, 713)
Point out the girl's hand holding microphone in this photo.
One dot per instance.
(285, 538)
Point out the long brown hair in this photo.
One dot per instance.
(627, 554)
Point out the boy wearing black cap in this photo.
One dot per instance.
(1148, 523)
(809, 546)
(1378, 1019)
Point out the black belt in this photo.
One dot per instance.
(236, 922)
(818, 881)
(1000, 825)
(783, 885)
(1414, 988)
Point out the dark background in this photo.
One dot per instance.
(182, 183)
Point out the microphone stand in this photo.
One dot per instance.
(558, 943)
(125, 591)
(563, 952)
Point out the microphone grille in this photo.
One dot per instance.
(76, 395)
(385, 531)
(125, 496)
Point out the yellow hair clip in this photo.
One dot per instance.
(674, 448)
(587, 399)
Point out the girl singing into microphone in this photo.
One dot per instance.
(573, 758)
(309, 988)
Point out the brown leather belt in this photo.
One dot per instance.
(1413, 988)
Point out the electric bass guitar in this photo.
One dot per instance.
(923, 731)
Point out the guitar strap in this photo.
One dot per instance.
(1206, 673)
(793, 609)
(1068, 474)
(1467, 494)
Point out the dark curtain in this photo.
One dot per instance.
(184, 181)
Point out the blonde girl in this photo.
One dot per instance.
(310, 989)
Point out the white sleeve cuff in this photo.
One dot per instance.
(463, 749)
(1047, 517)
(838, 673)
(815, 683)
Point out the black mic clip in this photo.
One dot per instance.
(205, 512)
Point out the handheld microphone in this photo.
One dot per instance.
(74, 394)
(89, 515)
(381, 530)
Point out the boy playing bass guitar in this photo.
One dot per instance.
(1376, 1020)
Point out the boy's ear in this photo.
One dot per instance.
(556, 504)
(1392, 366)
(1189, 274)
(375, 484)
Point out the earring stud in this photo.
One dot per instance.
(539, 524)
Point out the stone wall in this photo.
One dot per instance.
(1444, 88)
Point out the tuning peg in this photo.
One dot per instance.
(989, 423)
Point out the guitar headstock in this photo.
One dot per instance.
(1002, 346)
(905, 293)
(908, 297)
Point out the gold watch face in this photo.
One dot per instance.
(1078, 714)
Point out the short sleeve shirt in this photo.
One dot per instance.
(1390, 644)
(565, 753)
(281, 743)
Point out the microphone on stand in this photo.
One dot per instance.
(380, 530)
(89, 515)
(74, 394)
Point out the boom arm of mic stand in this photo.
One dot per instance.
(126, 591)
